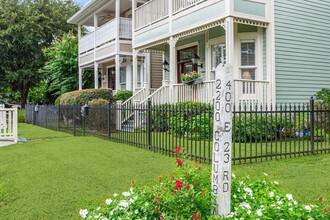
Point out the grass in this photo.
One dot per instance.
(54, 175)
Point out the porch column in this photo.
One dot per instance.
(96, 75)
(134, 77)
(117, 60)
(229, 26)
(173, 74)
(80, 78)
(129, 74)
(147, 71)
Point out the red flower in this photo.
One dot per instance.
(187, 186)
(199, 168)
(172, 178)
(195, 183)
(179, 162)
(177, 149)
(175, 192)
(325, 209)
(320, 199)
(194, 215)
(157, 199)
(203, 191)
(132, 182)
(178, 184)
(161, 217)
(156, 209)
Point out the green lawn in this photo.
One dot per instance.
(54, 175)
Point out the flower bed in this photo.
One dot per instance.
(187, 195)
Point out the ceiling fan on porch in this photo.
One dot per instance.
(107, 17)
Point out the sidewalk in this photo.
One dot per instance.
(6, 143)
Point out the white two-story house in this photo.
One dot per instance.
(106, 48)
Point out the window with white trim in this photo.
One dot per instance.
(248, 59)
(218, 54)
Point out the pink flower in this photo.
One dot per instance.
(172, 178)
(195, 183)
(156, 209)
(179, 162)
(177, 149)
(157, 199)
(325, 209)
(161, 217)
(320, 199)
(187, 186)
(194, 215)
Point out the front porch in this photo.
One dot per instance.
(8, 126)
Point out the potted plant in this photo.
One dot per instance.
(189, 78)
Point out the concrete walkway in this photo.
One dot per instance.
(6, 143)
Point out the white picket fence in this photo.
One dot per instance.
(8, 124)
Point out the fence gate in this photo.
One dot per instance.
(8, 124)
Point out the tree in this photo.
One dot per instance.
(26, 27)
(61, 67)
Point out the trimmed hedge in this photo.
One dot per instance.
(80, 97)
(123, 95)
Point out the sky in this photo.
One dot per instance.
(81, 2)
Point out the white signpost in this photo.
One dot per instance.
(222, 138)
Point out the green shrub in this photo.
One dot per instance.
(81, 97)
(98, 115)
(123, 95)
(21, 116)
(323, 95)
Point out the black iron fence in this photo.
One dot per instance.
(259, 132)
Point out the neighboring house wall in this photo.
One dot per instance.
(156, 70)
(302, 54)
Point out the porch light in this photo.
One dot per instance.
(165, 65)
(195, 60)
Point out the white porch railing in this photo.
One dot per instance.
(179, 5)
(8, 124)
(246, 92)
(150, 12)
(106, 33)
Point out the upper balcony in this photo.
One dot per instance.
(158, 19)
(103, 40)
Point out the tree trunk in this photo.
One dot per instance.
(24, 91)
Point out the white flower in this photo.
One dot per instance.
(295, 202)
(265, 174)
(245, 205)
(241, 219)
(259, 212)
(97, 216)
(248, 212)
(98, 208)
(248, 190)
(277, 197)
(108, 201)
(146, 204)
(111, 213)
(233, 176)
(123, 203)
(131, 189)
(126, 194)
(271, 194)
(83, 213)
(280, 202)
(234, 196)
(308, 208)
(275, 182)
(289, 196)
(131, 200)
(291, 209)
(115, 195)
(241, 183)
(310, 218)
(136, 212)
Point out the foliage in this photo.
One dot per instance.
(123, 95)
(252, 127)
(189, 76)
(39, 94)
(96, 120)
(21, 116)
(323, 95)
(26, 27)
(61, 67)
(187, 195)
(81, 97)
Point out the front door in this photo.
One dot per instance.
(112, 78)
(185, 64)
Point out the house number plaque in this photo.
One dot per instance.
(222, 138)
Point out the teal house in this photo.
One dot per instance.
(279, 49)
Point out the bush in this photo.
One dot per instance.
(187, 195)
(98, 114)
(123, 95)
(21, 116)
(81, 97)
(323, 95)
